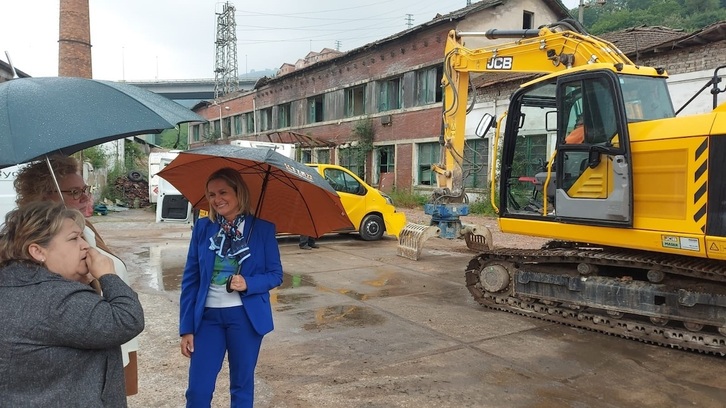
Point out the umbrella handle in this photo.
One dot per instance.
(239, 264)
(228, 285)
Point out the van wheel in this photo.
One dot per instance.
(372, 227)
(135, 176)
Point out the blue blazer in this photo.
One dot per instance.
(262, 270)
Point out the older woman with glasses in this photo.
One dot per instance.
(33, 183)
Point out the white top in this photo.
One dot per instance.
(120, 267)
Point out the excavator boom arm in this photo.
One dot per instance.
(546, 52)
(550, 49)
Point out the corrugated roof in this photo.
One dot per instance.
(638, 39)
(712, 33)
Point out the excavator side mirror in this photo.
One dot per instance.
(485, 124)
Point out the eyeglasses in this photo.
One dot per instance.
(76, 193)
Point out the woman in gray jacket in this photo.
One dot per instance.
(59, 339)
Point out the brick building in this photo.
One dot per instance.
(376, 109)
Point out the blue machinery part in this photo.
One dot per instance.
(447, 218)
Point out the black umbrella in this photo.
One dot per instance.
(42, 116)
(294, 197)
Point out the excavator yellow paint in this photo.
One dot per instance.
(635, 190)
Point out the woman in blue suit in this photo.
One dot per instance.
(232, 264)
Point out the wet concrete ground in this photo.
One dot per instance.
(358, 326)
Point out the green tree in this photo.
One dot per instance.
(699, 6)
(177, 138)
(96, 156)
(134, 157)
(699, 20)
(620, 20)
(640, 4)
(617, 15)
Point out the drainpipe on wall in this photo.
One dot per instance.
(254, 112)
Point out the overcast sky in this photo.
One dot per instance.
(174, 39)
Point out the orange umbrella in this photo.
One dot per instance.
(287, 193)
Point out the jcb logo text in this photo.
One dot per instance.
(502, 63)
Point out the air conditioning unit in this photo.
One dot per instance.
(386, 120)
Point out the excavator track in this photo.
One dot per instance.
(565, 263)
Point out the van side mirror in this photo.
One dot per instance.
(485, 125)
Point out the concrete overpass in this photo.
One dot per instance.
(188, 92)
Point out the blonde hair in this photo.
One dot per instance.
(35, 223)
(234, 180)
(35, 183)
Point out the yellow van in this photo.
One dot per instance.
(370, 210)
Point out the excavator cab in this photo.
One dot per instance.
(585, 181)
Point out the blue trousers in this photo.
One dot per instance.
(223, 330)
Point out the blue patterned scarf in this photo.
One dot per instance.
(229, 242)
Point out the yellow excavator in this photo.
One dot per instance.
(591, 155)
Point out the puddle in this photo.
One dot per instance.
(166, 266)
(171, 277)
(290, 298)
(295, 281)
(166, 274)
(343, 316)
(386, 284)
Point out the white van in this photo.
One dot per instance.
(157, 161)
(171, 206)
(7, 190)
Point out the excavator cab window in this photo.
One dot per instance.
(590, 104)
(593, 176)
(646, 98)
(596, 109)
(527, 148)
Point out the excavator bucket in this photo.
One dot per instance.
(479, 239)
(412, 238)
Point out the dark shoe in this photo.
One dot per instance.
(314, 245)
(308, 247)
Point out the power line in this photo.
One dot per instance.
(409, 20)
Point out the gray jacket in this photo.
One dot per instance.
(60, 341)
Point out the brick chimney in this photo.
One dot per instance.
(74, 41)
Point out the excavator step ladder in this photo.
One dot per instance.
(412, 238)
